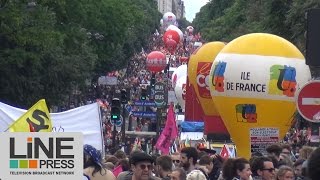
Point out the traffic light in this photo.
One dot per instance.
(115, 110)
(143, 95)
(313, 37)
(153, 80)
(124, 98)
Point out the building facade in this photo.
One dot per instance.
(174, 6)
(165, 6)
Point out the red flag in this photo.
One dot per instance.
(224, 152)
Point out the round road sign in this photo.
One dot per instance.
(308, 101)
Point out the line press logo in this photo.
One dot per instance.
(42, 155)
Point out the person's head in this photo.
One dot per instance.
(274, 149)
(286, 150)
(124, 163)
(163, 164)
(263, 167)
(238, 167)
(141, 165)
(176, 159)
(305, 152)
(92, 158)
(196, 175)
(201, 153)
(206, 161)
(313, 167)
(113, 159)
(285, 173)
(188, 157)
(298, 167)
(178, 174)
(120, 154)
(285, 160)
(109, 165)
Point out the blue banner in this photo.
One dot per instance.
(144, 114)
(192, 126)
(144, 103)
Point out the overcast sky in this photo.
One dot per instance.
(192, 7)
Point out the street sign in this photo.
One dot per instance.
(308, 101)
(159, 86)
(144, 114)
(144, 103)
(159, 99)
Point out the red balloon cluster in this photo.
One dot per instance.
(156, 61)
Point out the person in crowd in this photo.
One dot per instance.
(313, 168)
(287, 151)
(124, 163)
(112, 159)
(275, 150)
(175, 159)
(120, 154)
(285, 173)
(178, 174)
(206, 164)
(196, 175)
(298, 169)
(93, 167)
(305, 152)
(217, 167)
(188, 158)
(202, 153)
(236, 169)
(285, 160)
(123, 166)
(109, 166)
(163, 167)
(262, 168)
(141, 167)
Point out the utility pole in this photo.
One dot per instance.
(124, 101)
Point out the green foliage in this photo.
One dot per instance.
(49, 50)
(225, 20)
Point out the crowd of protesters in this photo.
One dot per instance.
(195, 164)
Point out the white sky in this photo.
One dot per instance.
(192, 7)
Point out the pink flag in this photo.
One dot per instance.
(117, 170)
(171, 123)
(164, 142)
(169, 133)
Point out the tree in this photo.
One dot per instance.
(50, 49)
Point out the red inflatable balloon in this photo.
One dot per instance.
(156, 61)
(171, 45)
(171, 35)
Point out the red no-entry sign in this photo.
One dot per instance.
(308, 101)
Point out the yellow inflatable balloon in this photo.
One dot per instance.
(253, 82)
(198, 72)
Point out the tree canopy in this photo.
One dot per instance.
(221, 20)
(50, 47)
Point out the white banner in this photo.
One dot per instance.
(85, 119)
(191, 135)
(108, 80)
